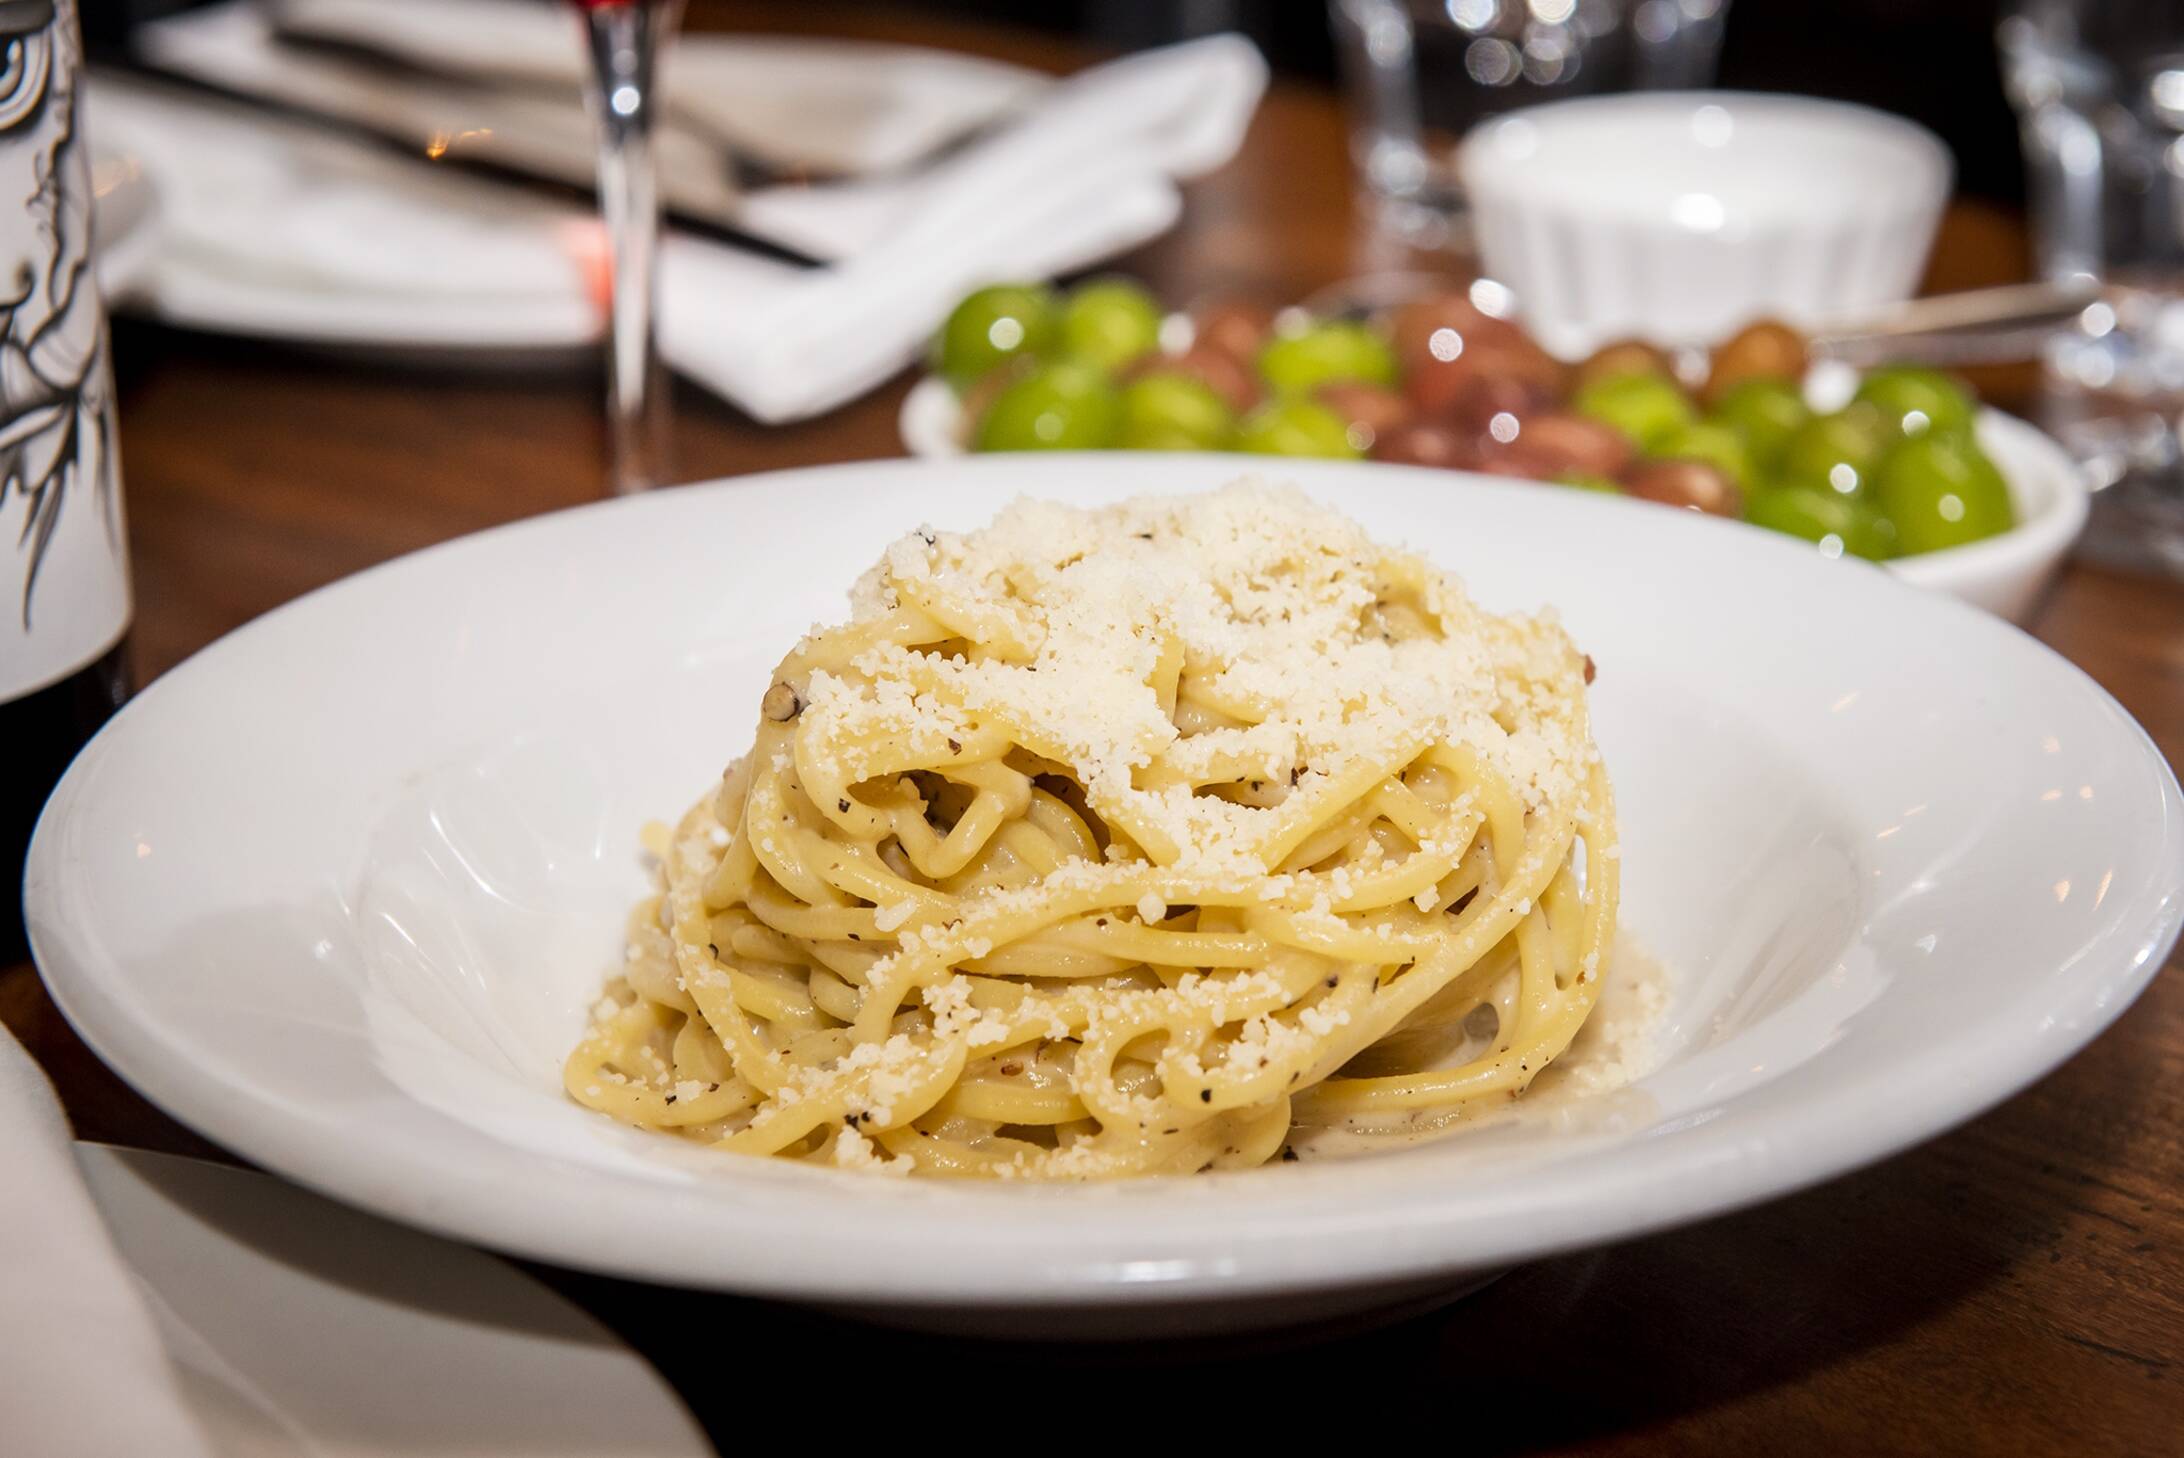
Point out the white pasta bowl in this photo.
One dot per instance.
(2003, 574)
(340, 890)
(1679, 216)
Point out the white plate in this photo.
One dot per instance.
(413, 1345)
(2003, 574)
(889, 107)
(340, 890)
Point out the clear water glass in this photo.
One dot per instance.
(624, 40)
(1419, 73)
(2099, 90)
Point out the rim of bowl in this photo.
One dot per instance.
(1545, 188)
(2051, 499)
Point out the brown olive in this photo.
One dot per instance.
(1694, 485)
(1411, 328)
(1624, 357)
(981, 391)
(1577, 444)
(1374, 408)
(1483, 381)
(1767, 349)
(1228, 377)
(1425, 443)
(1473, 400)
(1234, 327)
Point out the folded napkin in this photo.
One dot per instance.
(276, 227)
(84, 1374)
(1084, 174)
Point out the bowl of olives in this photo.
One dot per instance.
(1900, 465)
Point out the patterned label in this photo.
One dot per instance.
(64, 589)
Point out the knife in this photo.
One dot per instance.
(510, 135)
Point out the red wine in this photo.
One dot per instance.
(43, 730)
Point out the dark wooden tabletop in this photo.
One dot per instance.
(2015, 1286)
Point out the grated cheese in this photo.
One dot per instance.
(1263, 593)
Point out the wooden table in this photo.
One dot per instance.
(2014, 1286)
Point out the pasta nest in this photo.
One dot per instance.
(1124, 840)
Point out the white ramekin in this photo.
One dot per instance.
(1680, 216)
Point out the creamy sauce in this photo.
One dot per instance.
(1587, 1086)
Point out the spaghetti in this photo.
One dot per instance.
(1124, 841)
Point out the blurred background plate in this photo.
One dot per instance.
(298, 1326)
(299, 206)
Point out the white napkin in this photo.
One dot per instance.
(82, 1371)
(277, 228)
(1082, 175)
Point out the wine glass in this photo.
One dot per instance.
(625, 39)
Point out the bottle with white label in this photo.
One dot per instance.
(64, 557)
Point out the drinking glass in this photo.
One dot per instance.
(1420, 73)
(2099, 90)
(625, 39)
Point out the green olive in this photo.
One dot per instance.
(1324, 353)
(1766, 412)
(992, 327)
(1168, 410)
(1297, 427)
(1915, 400)
(1646, 407)
(1110, 322)
(1835, 452)
(1942, 491)
(1715, 444)
(1624, 357)
(1066, 405)
(1838, 523)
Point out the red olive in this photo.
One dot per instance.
(1372, 407)
(1694, 485)
(1227, 377)
(1484, 380)
(1446, 334)
(1234, 327)
(1425, 443)
(1623, 357)
(1411, 328)
(1577, 443)
(1470, 399)
(1765, 349)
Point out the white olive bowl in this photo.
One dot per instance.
(2003, 574)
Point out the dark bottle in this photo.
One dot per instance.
(64, 554)
(42, 731)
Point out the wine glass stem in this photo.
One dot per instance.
(625, 42)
